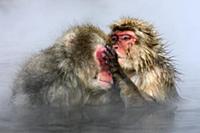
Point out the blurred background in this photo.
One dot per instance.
(27, 26)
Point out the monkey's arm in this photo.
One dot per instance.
(129, 91)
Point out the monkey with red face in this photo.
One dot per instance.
(72, 72)
(140, 64)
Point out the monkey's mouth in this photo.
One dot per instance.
(105, 81)
(105, 84)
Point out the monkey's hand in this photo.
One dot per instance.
(111, 60)
(128, 90)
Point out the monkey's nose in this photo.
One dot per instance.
(115, 46)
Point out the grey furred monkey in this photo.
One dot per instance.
(140, 63)
(71, 72)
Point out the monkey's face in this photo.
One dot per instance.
(92, 69)
(103, 77)
(124, 42)
(133, 49)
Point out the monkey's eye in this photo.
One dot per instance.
(125, 37)
(114, 38)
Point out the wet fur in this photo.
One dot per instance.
(152, 69)
(62, 75)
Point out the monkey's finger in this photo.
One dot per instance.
(110, 63)
(108, 54)
(107, 46)
(111, 51)
(106, 59)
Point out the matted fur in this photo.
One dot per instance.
(154, 72)
(63, 74)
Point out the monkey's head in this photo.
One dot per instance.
(86, 45)
(136, 43)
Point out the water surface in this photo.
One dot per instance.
(27, 27)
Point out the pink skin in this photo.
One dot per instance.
(104, 76)
(123, 40)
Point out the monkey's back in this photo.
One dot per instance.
(41, 80)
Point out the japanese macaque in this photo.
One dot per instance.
(69, 73)
(140, 63)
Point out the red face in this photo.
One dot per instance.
(122, 41)
(104, 77)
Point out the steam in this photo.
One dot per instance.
(28, 26)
